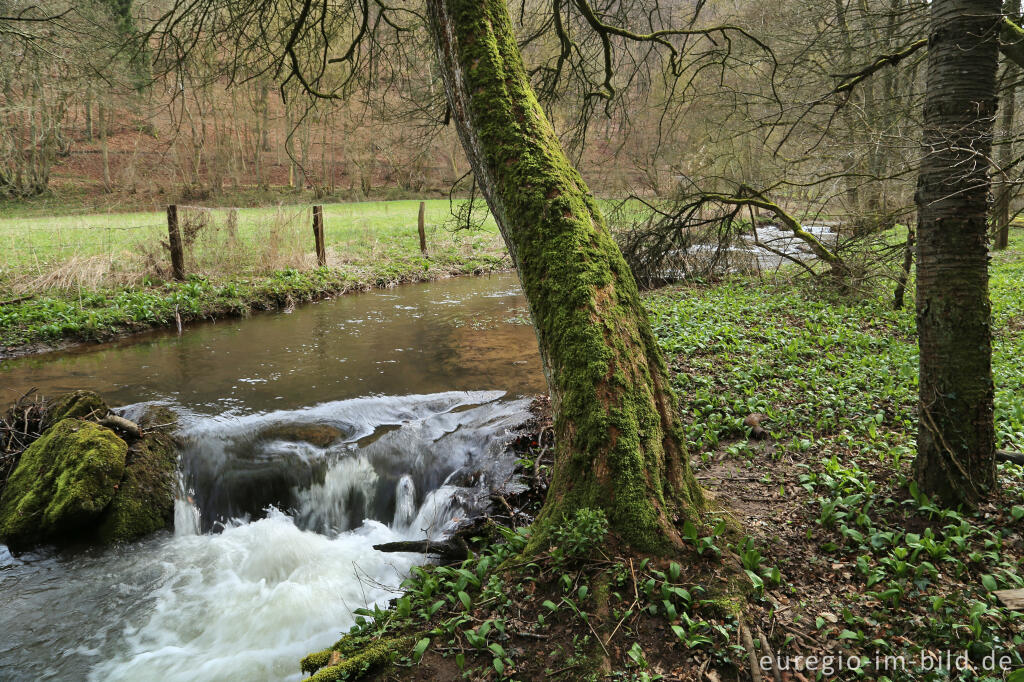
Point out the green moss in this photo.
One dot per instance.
(75, 405)
(619, 445)
(354, 657)
(63, 482)
(144, 501)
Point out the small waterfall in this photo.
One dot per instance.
(405, 503)
(275, 520)
(187, 519)
(440, 513)
(343, 500)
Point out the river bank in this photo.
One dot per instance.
(847, 560)
(41, 324)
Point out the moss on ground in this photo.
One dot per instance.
(355, 656)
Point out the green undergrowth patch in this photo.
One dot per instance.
(873, 569)
(98, 315)
(576, 611)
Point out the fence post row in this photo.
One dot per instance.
(423, 233)
(318, 236)
(174, 240)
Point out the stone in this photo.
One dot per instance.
(62, 484)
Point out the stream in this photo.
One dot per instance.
(307, 438)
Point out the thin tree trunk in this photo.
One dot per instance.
(619, 441)
(104, 116)
(1007, 105)
(908, 262)
(956, 439)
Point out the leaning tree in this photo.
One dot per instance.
(619, 442)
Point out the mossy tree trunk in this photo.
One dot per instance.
(956, 439)
(619, 441)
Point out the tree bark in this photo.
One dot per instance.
(1007, 105)
(619, 442)
(956, 439)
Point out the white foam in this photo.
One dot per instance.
(250, 602)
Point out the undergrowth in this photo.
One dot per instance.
(853, 573)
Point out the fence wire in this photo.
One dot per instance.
(64, 254)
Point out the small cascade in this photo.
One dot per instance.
(274, 525)
(187, 519)
(441, 512)
(405, 503)
(332, 466)
(343, 500)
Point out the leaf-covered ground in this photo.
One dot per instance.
(870, 567)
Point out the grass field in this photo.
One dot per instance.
(91, 251)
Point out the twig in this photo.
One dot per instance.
(748, 643)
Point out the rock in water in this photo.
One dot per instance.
(77, 405)
(320, 435)
(144, 501)
(62, 483)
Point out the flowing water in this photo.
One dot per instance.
(307, 438)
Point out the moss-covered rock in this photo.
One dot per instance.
(63, 483)
(144, 501)
(75, 405)
(353, 657)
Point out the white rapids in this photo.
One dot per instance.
(245, 598)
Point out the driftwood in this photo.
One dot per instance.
(1011, 599)
(1007, 456)
(449, 549)
(125, 426)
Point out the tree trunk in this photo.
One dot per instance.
(956, 440)
(1008, 106)
(619, 442)
(104, 116)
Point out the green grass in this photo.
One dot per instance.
(95, 276)
(352, 229)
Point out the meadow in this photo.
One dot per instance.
(95, 250)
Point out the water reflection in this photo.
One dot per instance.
(458, 334)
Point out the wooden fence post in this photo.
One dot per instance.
(174, 240)
(318, 236)
(422, 226)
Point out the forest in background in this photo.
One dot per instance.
(86, 117)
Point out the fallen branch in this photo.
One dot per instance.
(748, 644)
(1007, 456)
(452, 549)
(125, 426)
